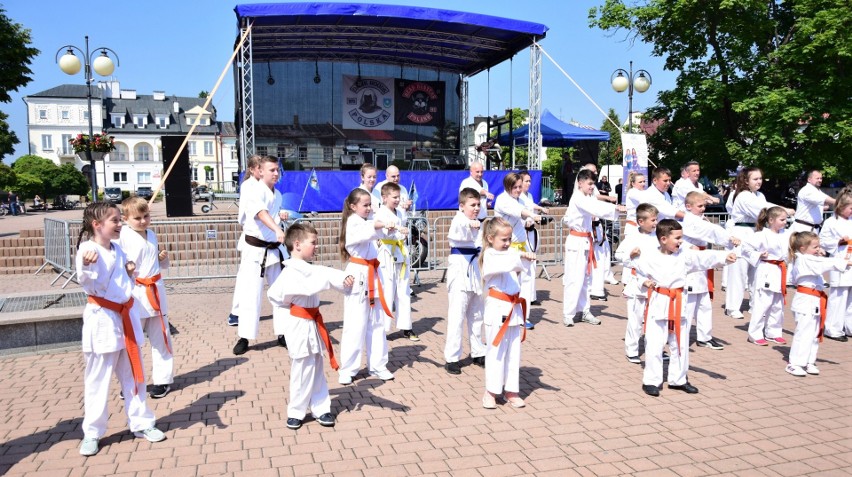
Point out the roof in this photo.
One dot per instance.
(431, 38)
(67, 91)
(146, 104)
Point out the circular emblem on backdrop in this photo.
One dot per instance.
(423, 100)
(369, 102)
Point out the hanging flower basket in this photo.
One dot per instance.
(99, 143)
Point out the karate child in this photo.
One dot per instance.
(395, 264)
(667, 270)
(635, 287)
(260, 260)
(250, 179)
(363, 322)
(149, 295)
(295, 299)
(700, 285)
(579, 247)
(505, 312)
(112, 333)
(464, 284)
(834, 238)
(809, 304)
(766, 250)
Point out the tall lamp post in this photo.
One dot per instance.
(70, 64)
(622, 80)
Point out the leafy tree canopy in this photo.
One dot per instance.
(610, 153)
(15, 57)
(68, 180)
(32, 170)
(7, 177)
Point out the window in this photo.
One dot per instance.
(42, 114)
(143, 177)
(119, 177)
(303, 153)
(260, 150)
(86, 115)
(161, 122)
(139, 120)
(120, 153)
(208, 148)
(66, 114)
(117, 120)
(208, 174)
(195, 174)
(46, 142)
(66, 145)
(142, 152)
(191, 147)
(328, 155)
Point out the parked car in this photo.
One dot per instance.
(202, 193)
(112, 194)
(144, 192)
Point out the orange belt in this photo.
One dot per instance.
(130, 342)
(314, 314)
(591, 260)
(711, 278)
(783, 266)
(372, 265)
(154, 298)
(514, 300)
(823, 304)
(630, 222)
(675, 309)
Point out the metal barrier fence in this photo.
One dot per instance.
(57, 249)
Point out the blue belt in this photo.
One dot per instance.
(472, 251)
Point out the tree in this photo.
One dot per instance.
(15, 57)
(611, 153)
(36, 169)
(68, 180)
(519, 118)
(28, 185)
(552, 165)
(203, 94)
(759, 83)
(7, 177)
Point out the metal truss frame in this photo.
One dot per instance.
(464, 108)
(246, 77)
(534, 143)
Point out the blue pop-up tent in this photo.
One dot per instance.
(554, 133)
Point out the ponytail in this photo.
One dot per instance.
(766, 215)
(351, 199)
(799, 240)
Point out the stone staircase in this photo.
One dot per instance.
(23, 254)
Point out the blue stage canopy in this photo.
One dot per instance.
(554, 133)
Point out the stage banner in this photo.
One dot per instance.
(368, 103)
(635, 149)
(419, 103)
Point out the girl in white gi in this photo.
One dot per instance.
(766, 250)
(464, 284)
(834, 238)
(508, 206)
(667, 269)
(636, 182)
(112, 334)
(363, 323)
(528, 202)
(149, 295)
(295, 299)
(393, 257)
(250, 179)
(809, 304)
(504, 312)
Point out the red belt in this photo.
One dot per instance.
(514, 300)
(372, 265)
(591, 262)
(783, 266)
(823, 304)
(154, 298)
(130, 342)
(314, 314)
(675, 309)
(711, 278)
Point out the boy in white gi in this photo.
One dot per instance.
(112, 333)
(579, 247)
(766, 250)
(464, 284)
(393, 257)
(251, 179)
(834, 239)
(149, 295)
(667, 269)
(635, 286)
(260, 260)
(295, 298)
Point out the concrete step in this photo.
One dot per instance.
(21, 270)
(21, 261)
(22, 251)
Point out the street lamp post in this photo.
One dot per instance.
(622, 80)
(103, 65)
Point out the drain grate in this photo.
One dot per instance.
(41, 302)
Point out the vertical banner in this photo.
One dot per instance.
(368, 103)
(635, 147)
(419, 103)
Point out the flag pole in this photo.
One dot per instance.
(304, 192)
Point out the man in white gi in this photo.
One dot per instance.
(688, 182)
(810, 204)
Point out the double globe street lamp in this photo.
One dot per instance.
(622, 80)
(102, 65)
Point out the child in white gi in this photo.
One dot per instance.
(504, 312)
(667, 269)
(149, 295)
(395, 263)
(261, 258)
(112, 334)
(700, 285)
(464, 284)
(809, 304)
(834, 238)
(251, 179)
(766, 250)
(363, 322)
(579, 247)
(636, 183)
(643, 238)
(295, 299)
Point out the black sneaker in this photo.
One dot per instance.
(294, 423)
(535, 303)
(479, 361)
(711, 343)
(634, 359)
(282, 342)
(241, 347)
(685, 387)
(160, 390)
(453, 368)
(651, 390)
(665, 356)
(598, 297)
(410, 335)
(326, 420)
(233, 320)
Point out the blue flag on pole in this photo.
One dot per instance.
(313, 181)
(412, 194)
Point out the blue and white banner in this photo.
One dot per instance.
(368, 103)
(635, 147)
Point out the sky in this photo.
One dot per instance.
(182, 46)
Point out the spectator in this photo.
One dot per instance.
(13, 203)
(603, 186)
(618, 190)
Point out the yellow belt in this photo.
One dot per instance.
(398, 244)
(519, 246)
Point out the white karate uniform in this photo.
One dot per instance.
(578, 217)
(634, 288)
(245, 191)
(375, 201)
(661, 200)
(527, 201)
(631, 202)
(767, 313)
(807, 271)
(500, 270)
(464, 291)
(809, 207)
(403, 197)
(300, 284)
(743, 212)
(838, 320)
(363, 324)
(510, 209)
(681, 188)
(482, 189)
(603, 257)
(103, 342)
(144, 252)
(396, 271)
(669, 271)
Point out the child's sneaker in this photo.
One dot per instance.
(89, 446)
(293, 423)
(589, 318)
(796, 370)
(634, 359)
(514, 400)
(152, 434)
(384, 375)
(812, 369)
(488, 401)
(410, 335)
(233, 320)
(760, 342)
(326, 420)
(160, 390)
(778, 340)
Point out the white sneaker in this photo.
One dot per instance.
(589, 318)
(89, 446)
(345, 379)
(796, 370)
(613, 282)
(812, 369)
(735, 314)
(384, 375)
(151, 434)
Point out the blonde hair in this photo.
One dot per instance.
(351, 199)
(695, 197)
(490, 226)
(134, 204)
(843, 200)
(799, 240)
(768, 214)
(631, 178)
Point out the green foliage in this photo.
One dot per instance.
(203, 94)
(519, 118)
(37, 175)
(8, 178)
(611, 153)
(15, 57)
(8, 138)
(68, 180)
(552, 166)
(28, 185)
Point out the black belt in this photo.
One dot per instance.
(812, 226)
(256, 242)
(745, 224)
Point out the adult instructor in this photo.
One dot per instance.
(477, 183)
(810, 203)
(688, 182)
(392, 175)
